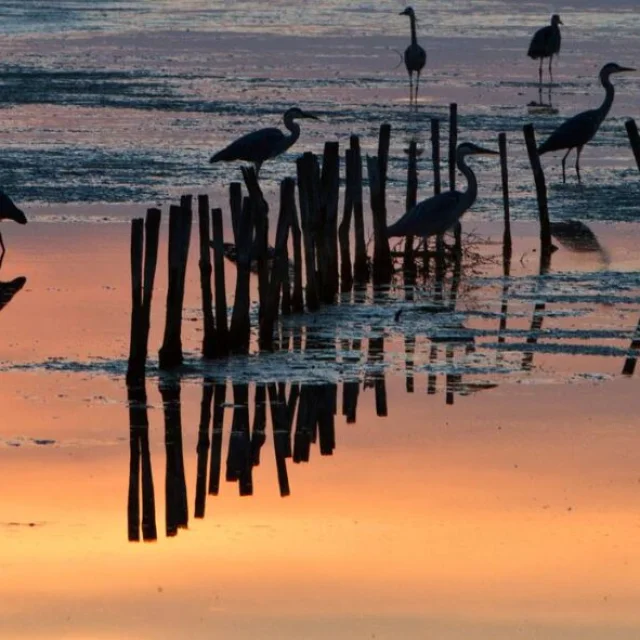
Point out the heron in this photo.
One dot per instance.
(9, 211)
(546, 43)
(415, 57)
(440, 213)
(578, 130)
(264, 144)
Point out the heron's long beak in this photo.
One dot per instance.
(487, 152)
(309, 115)
(403, 13)
(560, 22)
(626, 69)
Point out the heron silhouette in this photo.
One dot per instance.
(264, 144)
(575, 132)
(545, 44)
(415, 57)
(9, 211)
(438, 214)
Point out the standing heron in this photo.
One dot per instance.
(9, 211)
(578, 130)
(440, 213)
(415, 57)
(546, 43)
(264, 144)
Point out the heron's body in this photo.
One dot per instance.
(546, 44)
(438, 214)
(415, 57)
(262, 145)
(9, 211)
(575, 132)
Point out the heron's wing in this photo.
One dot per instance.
(542, 43)
(256, 146)
(574, 132)
(430, 217)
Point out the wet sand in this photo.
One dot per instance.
(512, 512)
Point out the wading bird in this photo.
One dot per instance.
(264, 144)
(415, 57)
(440, 213)
(9, 211)
(578, 130)
(546, 43)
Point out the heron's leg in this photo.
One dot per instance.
(257, 165)
(410, 88)
(540, 71)
(550, 72)
(564, 160)
(417, 85)
(578, 152)
(2, 253)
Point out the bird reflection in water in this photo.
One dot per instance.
(9, 289)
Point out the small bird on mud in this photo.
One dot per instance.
(438, 214)
(575, 132)
(9, 211)
(546, 43)
(264, 144)
(415, 57)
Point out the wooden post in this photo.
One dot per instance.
(297, 301)
(288, 207)
(361, 263)
(344, 231)
(504, 172)
(258, 433)
(435, 155)
(541, 188)
(453, 145)
(135, 368)
(280, 266)
(305, 168)
(221, 342)
(240, 331)
(377, 169)
(208, 340)
(330, 181)
(634, 139)
(180, 229)
(239, 462)
(410, 202)
(235, 204)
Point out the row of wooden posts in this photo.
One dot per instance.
(325, 264)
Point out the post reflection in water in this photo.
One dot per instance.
(438, 339)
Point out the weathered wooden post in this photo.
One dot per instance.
(361, 263)
(453, 146)
(504, 172)
(330, 195)
(279, 424)
(258, 433)
(221, 343)
(135, 371)
(239, 462)
(208, 339)
(634, 139)
(306, 168)
(435, 155)
(235, 204)
(541, 188)
(278, 270)
(377, 169)
(344, 231)
(410, 202)
(297, 299)
(180, 217)
(240, 330)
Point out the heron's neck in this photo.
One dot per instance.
(414, 38)
(294, 127)
(608, 100)
(472, 186)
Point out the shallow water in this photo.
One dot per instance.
(473, 448)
